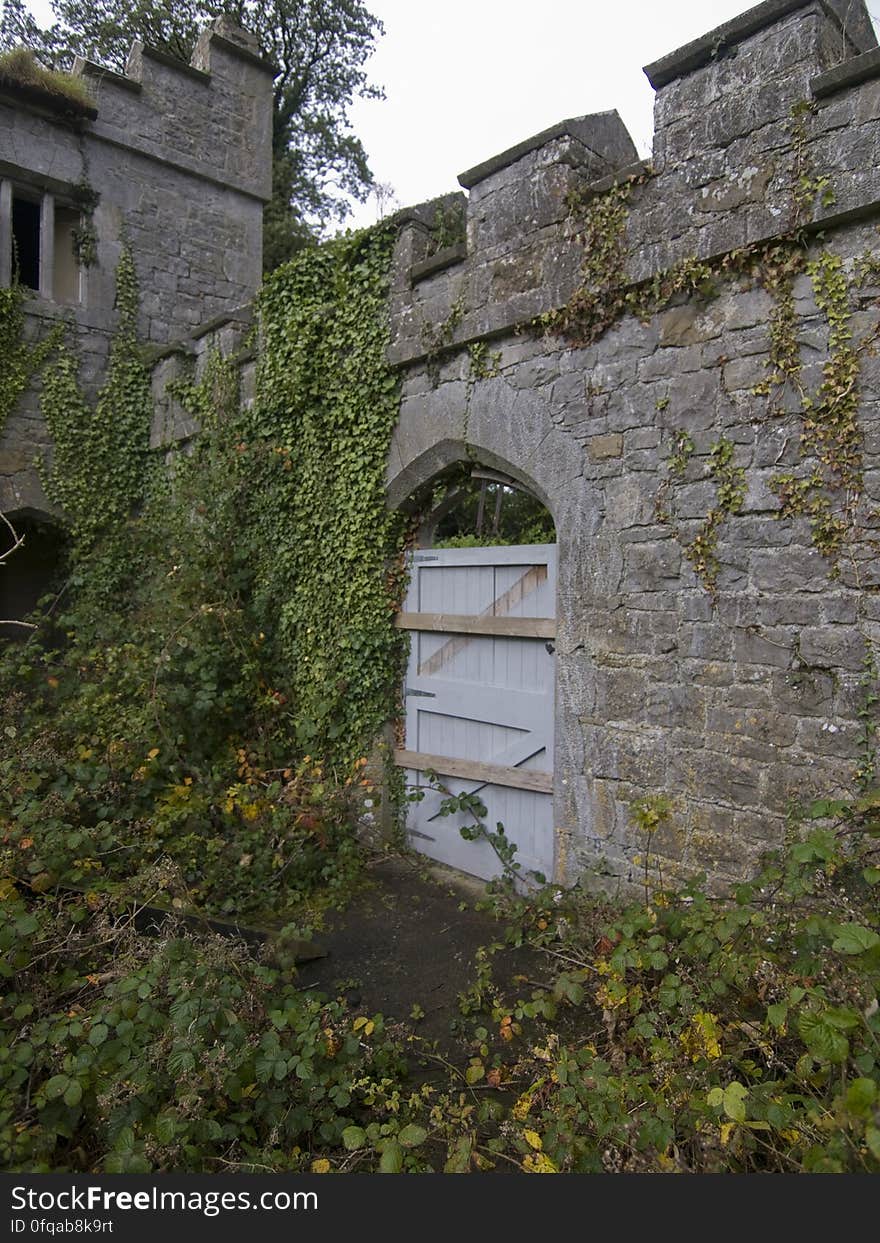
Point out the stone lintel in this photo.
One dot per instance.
(851, 18)
(850, 73)
(90, 69)
(444, 258)
(174, 62)
(602, 133)
(235, 49)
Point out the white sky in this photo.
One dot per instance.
(464, 79)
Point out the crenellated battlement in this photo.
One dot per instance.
(740, 116)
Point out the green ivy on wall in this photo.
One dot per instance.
(22, 359)
(316, 444)
(98, 473)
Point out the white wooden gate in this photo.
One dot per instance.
(479, 699)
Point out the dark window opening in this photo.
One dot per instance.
(26, 242)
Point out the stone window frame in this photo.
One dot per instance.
(13, 185)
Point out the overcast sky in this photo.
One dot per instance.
(464, 79)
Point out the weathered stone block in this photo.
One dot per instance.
(601, 448)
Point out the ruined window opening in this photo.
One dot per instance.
(26, 233)
(67, 273)
(38, 243)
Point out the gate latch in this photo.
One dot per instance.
(550, 647)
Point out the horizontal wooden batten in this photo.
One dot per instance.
(472, 770)
(457, 623)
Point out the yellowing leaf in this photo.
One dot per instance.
(727, 1129)
(321, 1166)
(151, 755)
(522, 1107)
(703, 1038)
(538, 1163)
(533, 1139)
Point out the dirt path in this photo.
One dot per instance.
(409, 939)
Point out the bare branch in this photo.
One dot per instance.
(17, 540)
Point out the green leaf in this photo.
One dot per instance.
(822, 1038)
(391, 1161)
(354, 1137)
(853, 939)
(74, 1092)
(411, 1136)
(734, 1101)
(98, 1034)
(825, 808)
(57, 1086)
(777, 1014)
(860, 1095)
(872, 1139)
(842, 1017)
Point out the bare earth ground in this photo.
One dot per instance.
(409, 939)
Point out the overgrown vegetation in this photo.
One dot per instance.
(22, 359)
(20, 67)
(190, 700)
(682, 1034)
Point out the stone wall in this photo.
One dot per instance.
(179, 157)
(732, 703)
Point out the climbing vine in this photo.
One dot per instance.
(730, 492)
(830, 436)
(98, 472)
(22, 359)
(604, 296)
(316, 447)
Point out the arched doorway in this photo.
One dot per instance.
(33, 554)
(480, 611)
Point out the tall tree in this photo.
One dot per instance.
(320, 48)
